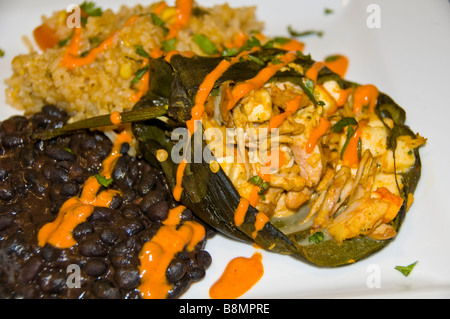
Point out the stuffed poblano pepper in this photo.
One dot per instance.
(293, 157)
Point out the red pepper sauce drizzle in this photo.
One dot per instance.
(172, 237)
(77, 209)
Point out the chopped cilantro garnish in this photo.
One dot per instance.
(316, 238)
(205, 44)
(169, 45)
(298, 34)
(159, 22)
(258, 181)
(139, 74)
(90, 9)
(406, 270)
(140, 51)
(345, 121)
(2, 53)
(328, 11)
(103, 180)
(63, 42)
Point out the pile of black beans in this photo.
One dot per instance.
(37, 177)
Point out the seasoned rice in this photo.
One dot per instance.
(104, 85)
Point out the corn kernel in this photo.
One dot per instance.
(125, 70)
(169, 15)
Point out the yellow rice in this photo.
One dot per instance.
(104, 86)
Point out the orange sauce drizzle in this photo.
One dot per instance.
(184, 10)
(293, 45)
(291, 108)
(241, 211)
(157, 253)
(240, 90)
(365, 95)
(317, 133)
(338, 64)
(78, 209)
(260, 222)
(313, 71)
(350, 157)
(143, 83)
(115, 118)
(240, 275)
(71, 58)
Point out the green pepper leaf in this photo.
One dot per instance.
(345, 121)
(406, 270)
(103, 180)
(350, 132)
(205, 44)
(90, 9)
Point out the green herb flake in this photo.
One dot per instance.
(103, 180)
(63, 42)
(2, 53)
(139, 74)
(140, 51)
(169, 45)
(332, 58)
(406, 270)
(298, 34)
(258, 181)
(256, 60)
(345, 121)
(350, 132)
(316, 238)
(328, 11)
(205, 44)
(159, 22)
(68, 150)
(90, 9)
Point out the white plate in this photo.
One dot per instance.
(407, 57)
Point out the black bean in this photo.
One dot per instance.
(92, 249)
(95, 267)
(52, 282)
(116, 202)
(81, 231)
(147, 184)
(28, 155)
(120, 169)
(124, 148)
(105, 289)
(158, 211)
(70, 189)
(204, 259)
(54, 111)
(133, 226)
(6, 167)
(59, 154)
(196, 273)
(6, 220)
(50, 253)
(12, 140)
(31, 269)
(179, 288)
(127, 278)
(110, 236)
(176, 270)
(7, 192)
(58, 175)
(152, 198)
